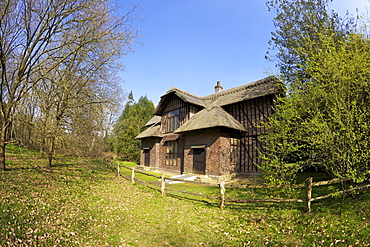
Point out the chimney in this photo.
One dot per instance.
(218, 87)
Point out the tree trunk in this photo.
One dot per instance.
(51, 152)
(2, 147)
(92, 145)
(42, 148)
(2, 154)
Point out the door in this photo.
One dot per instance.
(146, 157)
(199, 161)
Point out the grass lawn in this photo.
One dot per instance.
(84, 203)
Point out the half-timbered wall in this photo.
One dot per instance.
(186, 112)
(251, 114)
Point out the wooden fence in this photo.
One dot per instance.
(222, 198)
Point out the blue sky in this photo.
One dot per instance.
(192, 44)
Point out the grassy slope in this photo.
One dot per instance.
(80, 203)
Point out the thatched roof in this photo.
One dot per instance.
(245, 92)
(211, 117)
(153, 131)
(153, 120)
(183, 95)
(249, 91)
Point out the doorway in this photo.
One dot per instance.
(199, 161)
(147, 157)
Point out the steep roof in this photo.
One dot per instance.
(152, 131)
(249, 91)
(185, 96)
(213, 116)
(153, 120)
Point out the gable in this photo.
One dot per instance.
(176, 98)
(172, 102)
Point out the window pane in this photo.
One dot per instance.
(171, 153)
(173, 120)
(174, 112)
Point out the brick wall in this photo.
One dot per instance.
(217, 151)
(154, 145)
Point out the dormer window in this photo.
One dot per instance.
(173, 120)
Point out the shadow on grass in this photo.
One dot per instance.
(35, 168)
(154, 186)
(230, 205)
(265, 206)
(188, 198)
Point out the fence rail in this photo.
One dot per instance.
(222, 198)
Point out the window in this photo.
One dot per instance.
(171, 153)
(234, 151)
(173, 120)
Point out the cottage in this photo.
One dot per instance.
(216, 135)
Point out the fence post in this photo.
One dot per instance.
(118, 169)
(163, 185)
(133, 175)
(222, 197)
(309, 194)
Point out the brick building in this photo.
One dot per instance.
(216, 135)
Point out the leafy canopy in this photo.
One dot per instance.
(324, 119)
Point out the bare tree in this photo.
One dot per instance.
(54, 43)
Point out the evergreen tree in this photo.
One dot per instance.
(130, 124)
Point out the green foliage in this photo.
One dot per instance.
(338, 106)
(297, 21)
(325, 116)
(285, 143)
(130, 124)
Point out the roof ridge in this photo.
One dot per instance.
(182, 91)
(236, 89)
(225, 92)
(228, 94)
